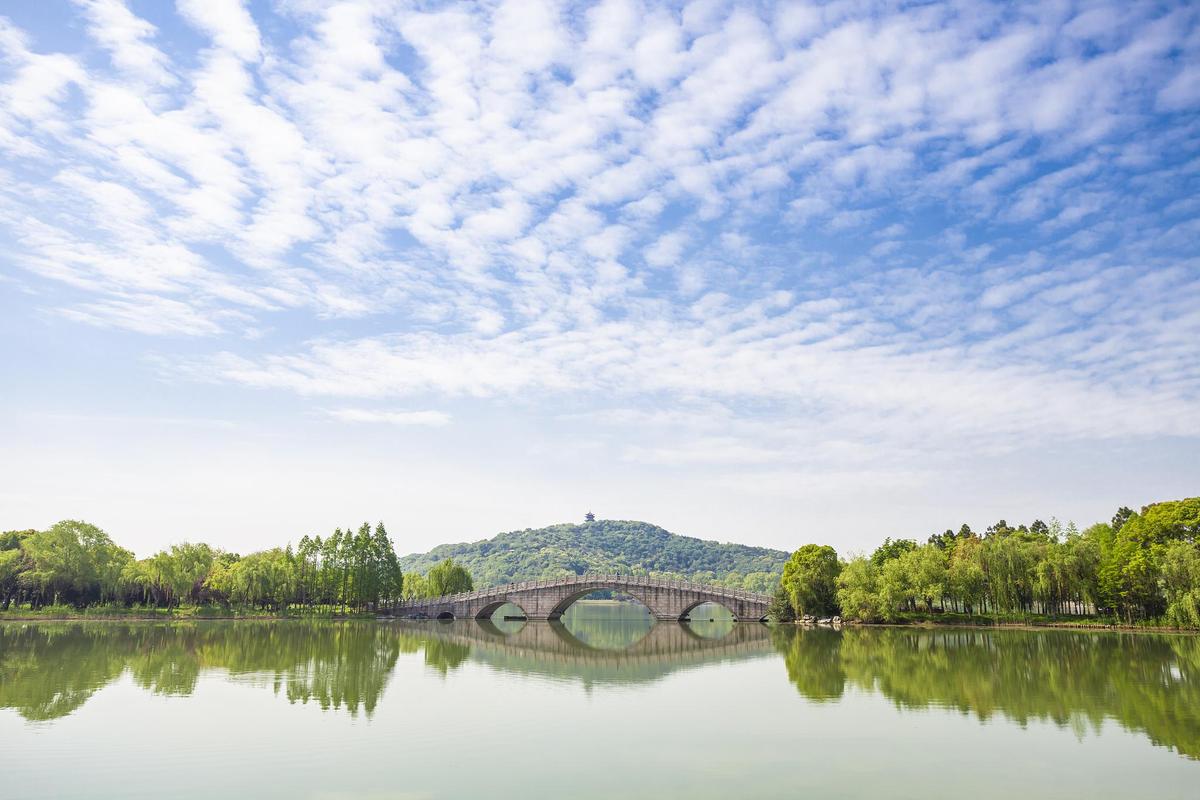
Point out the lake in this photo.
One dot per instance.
(605, 704)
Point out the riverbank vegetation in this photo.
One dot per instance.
(75, 569)
(1138, 569)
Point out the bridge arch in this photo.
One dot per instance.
(578, 593)
(488, 611)
(705, 600)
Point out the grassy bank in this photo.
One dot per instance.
(187, 612)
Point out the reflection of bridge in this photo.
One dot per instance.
(667, 600)
(538, 648)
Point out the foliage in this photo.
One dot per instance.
(1143, 567)
(891, 549)
(781, 609)
(607, 546)
(77, 563)
(448, 578)
(72, 560)
(810, 580)
(1181, 583)
(858, 592)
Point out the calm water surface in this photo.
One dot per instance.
(606, 705)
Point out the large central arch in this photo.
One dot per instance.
(692, 607)
(489, 610)
(561, 607)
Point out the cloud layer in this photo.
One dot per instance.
(833, 236)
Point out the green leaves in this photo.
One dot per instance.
(607, 546)
(810, 579)
(448, 578)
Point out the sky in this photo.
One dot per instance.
(755, 272)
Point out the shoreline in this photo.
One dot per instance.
(1031, 625)
(184, 617)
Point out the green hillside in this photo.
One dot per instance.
(607, 546)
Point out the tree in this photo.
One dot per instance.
(1121, 517)
(448, 578)
(943, 540)
(1130, 574)
(894, 589)
(965, 579)
(1008, 565)
(589, 517)
(781, 609)
(891, 549)
(388, 575)
(13, 564)
(857, 593)
(1177, 520)
(1181, 583)
(415, 586)
(810, 580)
(926, 573)
(74, 561)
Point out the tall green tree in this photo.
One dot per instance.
(1181, 583)
(858, 594)
(810, 580)
(446, 577)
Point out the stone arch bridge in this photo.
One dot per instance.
(548, 599)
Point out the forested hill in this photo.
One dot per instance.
(606, 546)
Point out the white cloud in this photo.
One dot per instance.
(919, 225)
(667, 251)
(430, 419)
(128, 38)
(227, 22)
(144, 314)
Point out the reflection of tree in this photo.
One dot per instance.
(47, 671)
(444, 655)
(812, 659)
(1144, 682)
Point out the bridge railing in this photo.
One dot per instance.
(637, 581)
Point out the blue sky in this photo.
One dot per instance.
(772, 273)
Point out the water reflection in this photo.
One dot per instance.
(596, 651)
(49, 670)
(1146, 683)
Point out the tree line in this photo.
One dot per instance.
(1138, 568)
(76, 563)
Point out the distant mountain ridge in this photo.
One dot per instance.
(622, 546)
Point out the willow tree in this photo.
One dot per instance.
(447, 577)
(810, 579)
